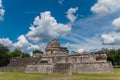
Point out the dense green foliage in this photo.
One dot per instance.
(4, 58)
(15, 53)
(6, 55)
(3, 49)
(18, 53)
(25, 55)
(37, 51)
(114, 56)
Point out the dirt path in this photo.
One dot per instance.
(63, 78)
(77, 78)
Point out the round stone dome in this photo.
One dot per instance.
(53, 44)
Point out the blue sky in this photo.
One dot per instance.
(20, 14)
(80, 25)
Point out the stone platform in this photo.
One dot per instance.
(69, 68)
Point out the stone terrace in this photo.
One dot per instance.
(22, 62)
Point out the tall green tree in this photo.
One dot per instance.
(4, 58)
(3, 49)
(117, 57)
(114, 56)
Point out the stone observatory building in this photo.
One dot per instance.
(57, 59)
(54, 48)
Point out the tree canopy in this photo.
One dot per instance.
(37, 51)
(114, 56)
(6, 55)
(4, 58)
(18, 53)
(3, 49)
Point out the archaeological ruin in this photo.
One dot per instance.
(57, 59)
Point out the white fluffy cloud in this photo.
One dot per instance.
(104, 7)
(70, 14)
(6, 41)
(110, 39)
(46, 27)
(2, 11)
(43, 28)
(114, 37)
(107, 39)
(23, 44)
(116, 24)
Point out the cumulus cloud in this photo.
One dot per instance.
(70, 14)
(104, 7)
(116, 24)
(6, 41)
(45, 27)
(113, 37)
(110, 39)
(23, 44)
(2, 11)
(107, 39)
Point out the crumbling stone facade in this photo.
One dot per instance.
(58, 60)
(53, 48)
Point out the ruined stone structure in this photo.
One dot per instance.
(57, 59)
(54, 48)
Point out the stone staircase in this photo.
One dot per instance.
(22, 62)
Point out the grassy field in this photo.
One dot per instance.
(25, 76)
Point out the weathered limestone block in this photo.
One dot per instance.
(41, 68)
(64, 68)
(12, 68)
(98, 67)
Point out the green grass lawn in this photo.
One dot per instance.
(27, 76)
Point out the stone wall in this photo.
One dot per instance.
(68, 64)
(22, 62)
(78, 58)
(69, 68)
(98, 67)
(12, 68)
(64, 68)
(41, 68)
